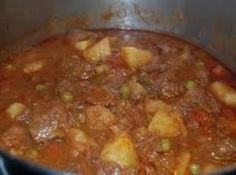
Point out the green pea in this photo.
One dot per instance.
(125, 91)
(195, 169)
(165, 145)
(40, 87)
(200, 64)
(190, 85)
(10, 67)
(33, 154)
(101, 69)
(67, 97)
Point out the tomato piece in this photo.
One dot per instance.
(206, 121)
(116, 62)
(53, 151)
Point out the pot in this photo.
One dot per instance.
(210, 25)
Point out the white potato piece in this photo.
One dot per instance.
(15, 109)
(210, 168)
(224, 93)
(99, 117)
(10, 67)
(136, 89)
(33, 66)
(151, 106)
(167, 122)
(100, 51)
(79, 140)
(132, 88)
(121, 151)
(135, 58)
(78, 136)
(83, 45)
(183, 163)
(104, 68)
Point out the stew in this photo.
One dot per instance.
(113, 102)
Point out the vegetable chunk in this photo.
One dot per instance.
(224, 93)
(132, 88)
(33, 67)
(83, 45)
(151, 106)
(183, 163)
(135, 58)
(121, 151)
(99, 51)
(15, 109)
(79, 136)
(79, 140)
(167, 122)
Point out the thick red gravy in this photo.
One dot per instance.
(118, 102)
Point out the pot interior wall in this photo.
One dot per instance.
(209, 24)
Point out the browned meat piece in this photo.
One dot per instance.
(115, 79)
(17, 137)
(48, 121)
(99, 96)
(223, 150)
(163, 88)
(154, 68)
(150, 152)
(166, 79)
(76, 69)
(100, 117)
(198, 98)
(171, 89)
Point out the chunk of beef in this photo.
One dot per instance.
(198, 98)
(201, 122)
(100, 117)
(76, 69)
(17, 137)
(49, 121)
(165, 79)
(99, 96)
(171, 89)
(115, 78)
(223, 150)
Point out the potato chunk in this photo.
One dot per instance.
(167, 122)
(224, 93)
(78, 136)
(134, 57)
(121, 151)
(99, 51)
(78, 139)
(15, 109)
(151, 106)
(136, 88)
(132, 88)
(183, 163)
(83, 45)
(99, 117)
(33, 67)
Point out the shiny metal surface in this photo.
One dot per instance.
(209, 24)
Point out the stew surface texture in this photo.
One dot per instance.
(116, 102)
